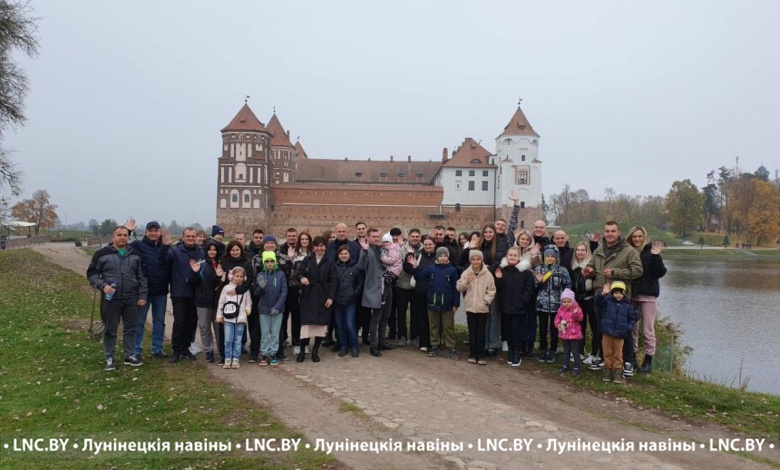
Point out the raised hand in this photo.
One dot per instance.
(166, 238)
(194, 265)
(412, 260)
(513, 196)
(595, 237)
(499, 273)
(657, 248)
(363, 243)
(219, 271)
(130, 224)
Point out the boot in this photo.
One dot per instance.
(516, 360)
(302, 355)
(647, 364)
(315, 351)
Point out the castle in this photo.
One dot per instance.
(266, 181)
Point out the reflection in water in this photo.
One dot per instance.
(730, 314)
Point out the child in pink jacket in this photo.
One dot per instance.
(567, 320)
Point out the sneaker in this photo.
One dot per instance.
(342, 352)
(563, 369)
(109, 364)
(263, 361)
(550, 357)
(628, 369)
(434, 351)
(194, 349)
(482, 362)
(415, 342)
(452, 354)
(589, 360)
(274, 361)
(576, 372)
(355, 352)
(282, 357)
(402, 341)
(227, 363)
(504, 346)
(517, 361)
(222, 361)
(471, 360)
(618, 378)
(175, 357)
(296, 350)
(235, 364)
(160, 355)
(598, 364)
(253, 357)
(424, 349)
(189, 355)
(607, 375)
(133, 361)
(542, 356)
(210, 357)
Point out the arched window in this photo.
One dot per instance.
(235, 198)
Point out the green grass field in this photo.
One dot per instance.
(54, 386)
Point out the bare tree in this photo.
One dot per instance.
(18, 30)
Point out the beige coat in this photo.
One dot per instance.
(479, 293)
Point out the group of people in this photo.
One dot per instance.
(335, 289)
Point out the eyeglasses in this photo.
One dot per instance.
(269, 261)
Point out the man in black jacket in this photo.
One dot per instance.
(116, 271)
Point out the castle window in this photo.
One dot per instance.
(457, 185)
(522, 204)
(522, 158)
(472, 172)
(471, 186)
(484, 172)
(420, 175)
(240, 176)
(401, 175)
(234, 198)
(383, 174)
(246, 198)
(522, 224)
(521, 126)
(458, 172)
(358, 174)
(484, 186)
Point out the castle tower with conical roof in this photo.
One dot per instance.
(244, 176)
(519, 168)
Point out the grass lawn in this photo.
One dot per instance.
(52, 385)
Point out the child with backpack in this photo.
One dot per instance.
(232, 311)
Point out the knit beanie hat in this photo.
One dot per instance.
(217, 230)
(269, 238)
(473, 253)
(269, 255)
(442, 250)
(567, 294)
(550, 250)
(387, 238)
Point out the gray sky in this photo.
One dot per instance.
(127, 98)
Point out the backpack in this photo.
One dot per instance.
(232, 308)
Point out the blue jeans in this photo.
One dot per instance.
(233, 334)
(270, 326)
(345, 325)
(158, 304)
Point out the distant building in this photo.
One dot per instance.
(264, 180)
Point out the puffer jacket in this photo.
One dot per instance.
(516, 288)
(156, 272)
(350, 288)
(624, 261)
(617, 318)
(275, 282)
(479, 293)
(653, 269)
(109, 266)
(548, 297)
(573, 316)
(442, 291)
(245, 304)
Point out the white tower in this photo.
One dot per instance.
(519, 168)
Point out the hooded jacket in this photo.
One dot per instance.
(479, 293)
(275, 282)
(442, 293)
(555, 279)
(617, 317)
(573, 316)
(109, 266)
(350, 287)
(207, 283)
(653, 269)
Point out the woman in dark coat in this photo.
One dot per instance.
(419, 310)
(319, 281)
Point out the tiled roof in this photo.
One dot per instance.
(300, 150)
(365, 171)
(470, 155)
(519, 125)
(245, 120)
(278, 134)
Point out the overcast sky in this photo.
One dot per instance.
(127, 98)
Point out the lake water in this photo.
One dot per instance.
(729, 311)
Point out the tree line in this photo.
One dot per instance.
(732, 202)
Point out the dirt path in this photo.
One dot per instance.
(406, 396)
